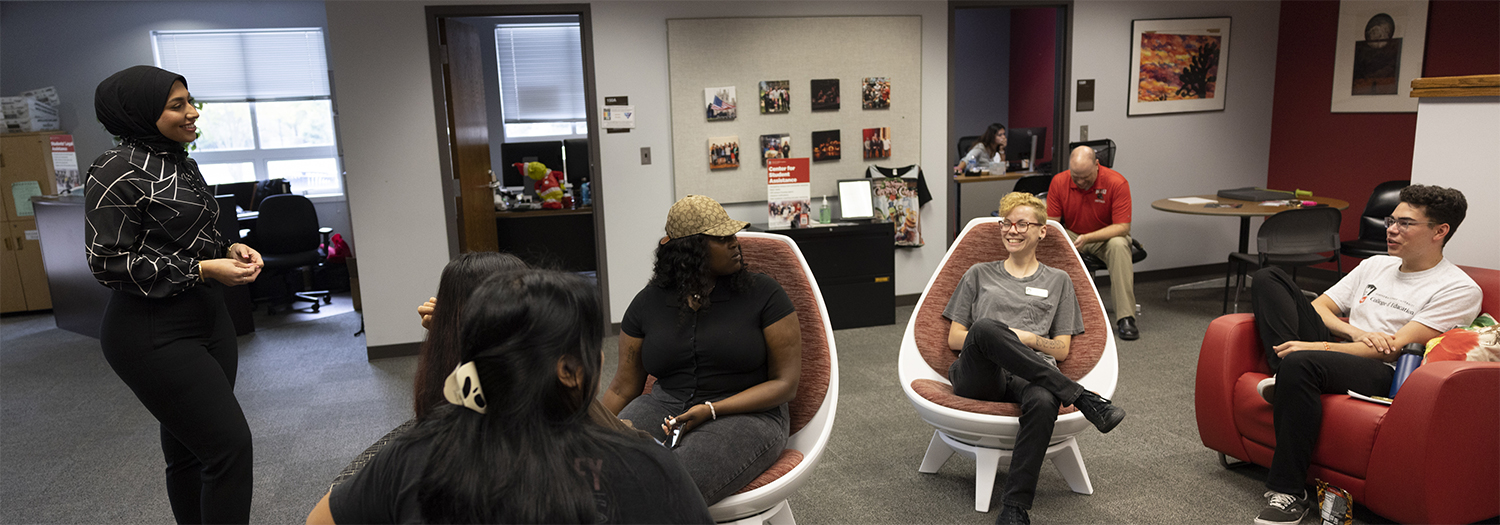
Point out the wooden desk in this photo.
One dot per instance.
(1246, 210)
(958, 193)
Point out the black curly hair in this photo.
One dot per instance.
(682, 267)
(1441, 205)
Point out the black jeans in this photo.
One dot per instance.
(996, 366)
(179, 356)
(722, 455)
(1283, 314)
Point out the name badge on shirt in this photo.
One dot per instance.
(1036, 292)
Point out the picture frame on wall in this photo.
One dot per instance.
(825, 94)
(1178, 65)
(876, 143)
(775, 146)
(875, 93)
(775, 96)
(723, 152)
(826, 145)
(1378, 54)
(719, 103)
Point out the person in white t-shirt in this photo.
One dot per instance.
(1409, 296)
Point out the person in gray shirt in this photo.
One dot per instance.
(1012, 321)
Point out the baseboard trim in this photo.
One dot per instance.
(397, 350)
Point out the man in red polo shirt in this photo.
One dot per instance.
(1093, 202)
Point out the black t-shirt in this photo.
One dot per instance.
(640, 482)
(715, 352)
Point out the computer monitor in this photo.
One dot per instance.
(1019, 140)
(856, 199)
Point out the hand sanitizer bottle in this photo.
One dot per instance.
(825, 215)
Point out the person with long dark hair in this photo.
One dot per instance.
(439, 351)
(988, 152)
(724, 345)
(149, 235)
(515, 444)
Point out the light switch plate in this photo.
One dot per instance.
(1083, 133)
(645, 156)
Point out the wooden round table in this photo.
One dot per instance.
(1246, 210)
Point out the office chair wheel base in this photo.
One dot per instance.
(315, 307)
(328, 299)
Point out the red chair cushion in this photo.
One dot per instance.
(942, 394)
(776, 259)
(1347, 436)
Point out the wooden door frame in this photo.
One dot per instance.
(433, 15)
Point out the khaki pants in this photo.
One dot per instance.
(1115, 253)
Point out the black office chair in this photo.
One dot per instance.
(1096, 265)
(1293, 238)
(1034, 184)
(1382, 204)
(1104, 150)
(287, 236)
(965, 144)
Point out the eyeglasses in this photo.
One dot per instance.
(1021, 226)
(1404, 223)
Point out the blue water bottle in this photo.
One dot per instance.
(1411, 357)
(588, 197)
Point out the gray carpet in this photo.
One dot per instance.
(76, 447)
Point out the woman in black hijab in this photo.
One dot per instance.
(150, 236)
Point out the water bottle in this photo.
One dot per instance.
(587, 195)
(1411, 357)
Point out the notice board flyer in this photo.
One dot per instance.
(788, 193)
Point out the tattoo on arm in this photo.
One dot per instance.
(1049, 345)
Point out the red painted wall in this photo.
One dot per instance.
(1033, 52)
(1345, 155)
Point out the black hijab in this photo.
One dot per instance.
(130, 102)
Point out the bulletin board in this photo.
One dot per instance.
(743, 52)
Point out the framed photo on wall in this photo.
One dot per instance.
(1178, 65)
(1378, 54)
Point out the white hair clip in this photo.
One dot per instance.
(462, 388)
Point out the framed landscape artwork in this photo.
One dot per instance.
(1378, 54)
(1178, 65)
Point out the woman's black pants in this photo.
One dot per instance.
(179, 356)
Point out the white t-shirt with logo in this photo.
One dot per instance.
(1378, 297)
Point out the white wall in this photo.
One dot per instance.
(1450, 131)
(378, 51)
(1187, 153)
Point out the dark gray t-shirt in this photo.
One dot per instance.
(1041, 303)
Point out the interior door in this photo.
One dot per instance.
(463, 77)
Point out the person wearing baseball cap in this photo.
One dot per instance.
(724, 344)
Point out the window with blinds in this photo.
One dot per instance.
(266, 108)
(541, 79)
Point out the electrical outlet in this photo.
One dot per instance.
(1083, 133)
(645, 156)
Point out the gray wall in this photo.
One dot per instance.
(1184, 153)
(74, 45)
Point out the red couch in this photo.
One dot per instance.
(1433, 456)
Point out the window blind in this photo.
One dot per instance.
(541, 72)
(246, 65)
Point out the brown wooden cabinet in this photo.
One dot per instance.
(25, 168)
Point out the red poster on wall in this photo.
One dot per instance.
(65, 163)
(788, 193)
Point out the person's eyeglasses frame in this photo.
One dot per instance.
(1404, 224)
(1008, 226)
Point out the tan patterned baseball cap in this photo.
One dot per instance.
(695, 214)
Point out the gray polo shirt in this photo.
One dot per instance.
(1041, 303)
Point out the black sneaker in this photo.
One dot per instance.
(1012, 515)
(1282, 509)
(1104, 415)
(1267, 389)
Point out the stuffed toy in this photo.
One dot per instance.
(548, 183)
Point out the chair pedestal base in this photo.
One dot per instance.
(781, 514)
(987, 461)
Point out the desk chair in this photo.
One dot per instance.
(1104, 150)
(287, 236)
(1293, 238)
(1034, 184)
(965, 144)
(983, 430)
(1382, 204)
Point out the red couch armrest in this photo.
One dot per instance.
(1231, 348)
(1437, 456)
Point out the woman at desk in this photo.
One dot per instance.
(988, 153)
(150, 236)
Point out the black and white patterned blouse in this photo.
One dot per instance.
(149, 219)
